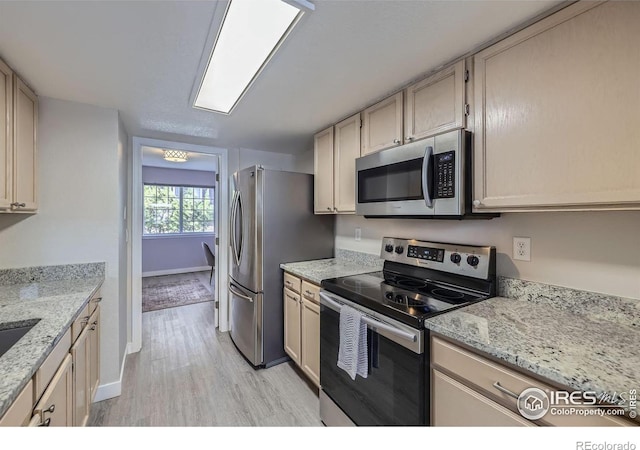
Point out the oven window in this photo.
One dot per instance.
(394, 182)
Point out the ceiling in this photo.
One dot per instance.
(142, 58)
(153, 157)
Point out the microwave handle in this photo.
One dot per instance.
(427, 172)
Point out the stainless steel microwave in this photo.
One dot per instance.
(430, 178)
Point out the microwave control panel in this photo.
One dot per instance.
(445, 174)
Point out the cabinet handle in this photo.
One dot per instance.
(309, 293)
(409, 138)
(396, 141)
(50, 409)
(46, 423)
(18, 205)
(95, 322)
(504, 390)
(85, 320)
(96, 300)
(477, 203)
(328, 208)
(93, 328)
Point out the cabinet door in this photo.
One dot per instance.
(24, 146)
(346, 150)
(323, 172)
(56, 405)
(456, 405)
(382, 125)
(6, 140)
(292, 325)
(81, 388)
(94, 353)
(311, 340)
(19, 413)
(557, 108)
(435, 104)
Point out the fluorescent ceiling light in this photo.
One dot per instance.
(251, 32)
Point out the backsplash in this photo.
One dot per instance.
(51, 273)
(595, 306)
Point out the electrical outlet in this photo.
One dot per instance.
(522, 248)
(358, 233)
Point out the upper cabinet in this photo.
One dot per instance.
(18, 145)
(323, 172)
(435, 104)
(557, 108)
(382, 125)
(335, 151)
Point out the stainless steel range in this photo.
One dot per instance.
(419, 280)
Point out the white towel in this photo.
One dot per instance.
(352, 354)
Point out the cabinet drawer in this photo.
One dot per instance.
(80, 322)
(50, 365)
(482, 373)
(456, 405)
(311, 292)
(19, 412)
(291, 282)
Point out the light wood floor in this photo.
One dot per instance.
(189, 374)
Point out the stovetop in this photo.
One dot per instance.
(407, 299)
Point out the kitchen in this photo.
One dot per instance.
(581, 227)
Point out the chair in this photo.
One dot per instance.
(211, 259)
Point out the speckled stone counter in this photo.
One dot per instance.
(582, 341)
(55, 295)
(345, 263)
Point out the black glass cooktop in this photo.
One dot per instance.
(406, 299)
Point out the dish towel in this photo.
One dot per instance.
(352, 355)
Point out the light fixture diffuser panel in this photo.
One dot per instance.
(251, 31)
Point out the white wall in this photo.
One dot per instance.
(244, 157)
(303, 162)
(79, 213)
(593, 251)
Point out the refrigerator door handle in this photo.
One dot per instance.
(241, 243)
(238, 294)
(234, 244)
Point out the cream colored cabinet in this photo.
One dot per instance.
(435, 104)
(25, 110)
(323, 172)
(94, 353)
(81, 359)
(6, 136)
(456, 405)
(56, 405)
(292, 325)
(18, 144)
(382, 125)
(488, 392)
(302, 325)
(556, 108)
(310, 328)
(335, 153)
(346, 151)
(19, 413)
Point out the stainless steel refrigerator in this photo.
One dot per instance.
(272, 222)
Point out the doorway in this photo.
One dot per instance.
(171, 225)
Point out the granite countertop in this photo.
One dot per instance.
(582, 342)
(56, 303)
(345, 263)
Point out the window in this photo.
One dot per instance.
(177, 209)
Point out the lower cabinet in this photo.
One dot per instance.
(55, 408)
(65, 385)
(302, 325)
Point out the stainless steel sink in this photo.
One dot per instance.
(11, 332)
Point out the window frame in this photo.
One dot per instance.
(181, 233)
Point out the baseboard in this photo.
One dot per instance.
(157, 273)
(111, 390)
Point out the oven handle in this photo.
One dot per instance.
(331, 303)
(426, 174)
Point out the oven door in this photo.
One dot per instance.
(394, 392)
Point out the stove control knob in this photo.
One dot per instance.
(399, 249)
(473, 260)
(456, 258)
(388, 248)
(399, 298)
(389, 295)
